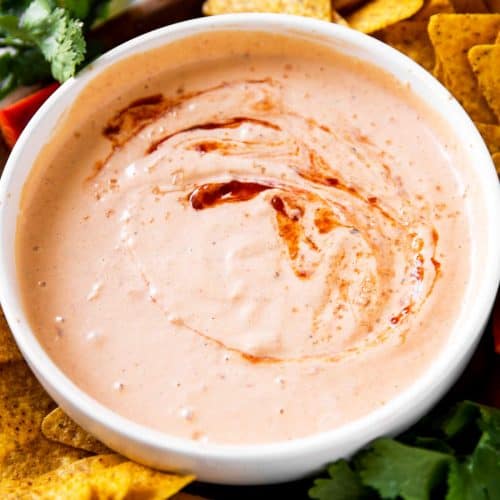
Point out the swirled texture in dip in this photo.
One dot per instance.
(265, 242)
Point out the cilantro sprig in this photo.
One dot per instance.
(455, 456)
(44, 39)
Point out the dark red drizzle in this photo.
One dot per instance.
(211, 195)
(231, 123)
(402, 314)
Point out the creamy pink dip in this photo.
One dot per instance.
(244, 242)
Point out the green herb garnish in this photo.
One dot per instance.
(455, 456)
(44, 39)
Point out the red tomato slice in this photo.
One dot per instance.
(15, 117)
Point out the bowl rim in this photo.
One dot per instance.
(397, 413)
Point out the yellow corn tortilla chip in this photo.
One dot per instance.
(24, 451)
(452, 36)
(37, 486)
(438, 70)
(498, 38)
(491, 136)
(485, 62)
(37, 457)
(8, 347)
(33, 467)
(432, 7)
(470, 6)
(496, 161)
(320, 9)
(411, 38)
(345, 4)
(378, 14)
(102, 476)
(57, 426)
(338, 19)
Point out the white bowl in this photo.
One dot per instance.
(286, 460)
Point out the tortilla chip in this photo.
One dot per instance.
(320, 9)
(496, 161)
(378, 14)
(438, 71)
(470, 6)
(491, 136)
(58, 427)
(498, 38)
(345, 4)
(8, 347)
(23, 403)
(411, 38)
(34, 459)
(432, 7)
(485, 62)
(338, 19)
(102, 476)
(451, 52)
(148, 483)
(24, 451)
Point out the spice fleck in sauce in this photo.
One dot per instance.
(247, 251)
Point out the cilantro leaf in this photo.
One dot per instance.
(21, 67)
(43, 38)
(8, 82)
(432, 443)
(398, 470)
(13, 7)
(343, 484)
(453, 455)
(77, 8)
(461, 484)
(490, 424)
(478, 476)
(459, 418)
(59, 38)
(9, 27)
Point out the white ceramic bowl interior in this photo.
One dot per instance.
(287, 460)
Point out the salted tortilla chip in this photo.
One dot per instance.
(485, 62)
(491, 136)
(102, 476)
(8, 347)
(320, 9)
(470, 6)
(33, 467)
(378, 14)
(451, 53)
(411, 38)
(432, 7)
(24, 451)
(57, 426)
(496, 161)
(36, 458)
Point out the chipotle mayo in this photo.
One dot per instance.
(244, 242)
